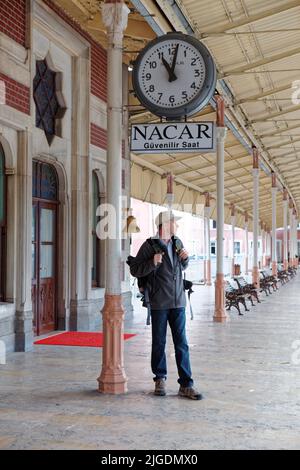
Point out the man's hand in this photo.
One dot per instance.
(183, 254)
(157, 259)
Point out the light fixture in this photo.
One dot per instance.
(130, 66)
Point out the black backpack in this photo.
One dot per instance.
(158, 247)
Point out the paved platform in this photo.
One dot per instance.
(247, 370)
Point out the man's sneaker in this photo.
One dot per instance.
(190, 392)
(160, 387)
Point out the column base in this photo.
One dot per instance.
(285, 264)
(220, 315)
(113, 378)
(274, 268)
(255, 276)
(23, 331)
(208, 273)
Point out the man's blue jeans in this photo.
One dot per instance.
(176, 319)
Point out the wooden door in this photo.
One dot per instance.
(44, 243)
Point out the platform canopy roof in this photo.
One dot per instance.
(256, 48)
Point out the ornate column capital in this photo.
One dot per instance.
(115, 17)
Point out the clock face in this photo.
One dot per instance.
(174, 75)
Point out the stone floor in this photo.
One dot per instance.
(248, 370)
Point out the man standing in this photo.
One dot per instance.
(163, 272)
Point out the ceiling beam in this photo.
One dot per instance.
(282, 144)
(251, 19)
(274, 157)
(264, 94)
(268, 116)
(279, 131)
(259, 63)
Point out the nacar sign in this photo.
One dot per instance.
(175, 137)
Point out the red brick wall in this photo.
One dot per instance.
(16, 95)
(13, 19)
(98, 55)
(98, 136)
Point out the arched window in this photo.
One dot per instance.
(2, 224)
(96, 241)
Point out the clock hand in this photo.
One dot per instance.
(172, 76)
(174, 60)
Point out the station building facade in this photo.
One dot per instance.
(53, 141)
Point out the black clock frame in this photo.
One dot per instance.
(200, 100)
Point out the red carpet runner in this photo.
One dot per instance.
(76, 338)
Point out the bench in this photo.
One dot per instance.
(233, 297)
(247, 288)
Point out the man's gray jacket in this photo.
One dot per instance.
(164, 281)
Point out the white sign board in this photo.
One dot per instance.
(173, 137)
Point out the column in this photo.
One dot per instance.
(233, 220)
(291, 207)
(207, 212)
(220, 313)
(255, 269)
(295, 250)
(274, 250)
(268, 247)
(296, 240)
(265, 245)
(246, 243)
(82, 316)
(24, 316)
(262, 244)
(285, 229)
(205, 253)
(113, 378)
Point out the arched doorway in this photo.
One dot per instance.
(2, 225)
(44, 247)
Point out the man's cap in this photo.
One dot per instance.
(165, 216)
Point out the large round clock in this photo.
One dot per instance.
(174, 76)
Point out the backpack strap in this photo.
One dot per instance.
(189, 297)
